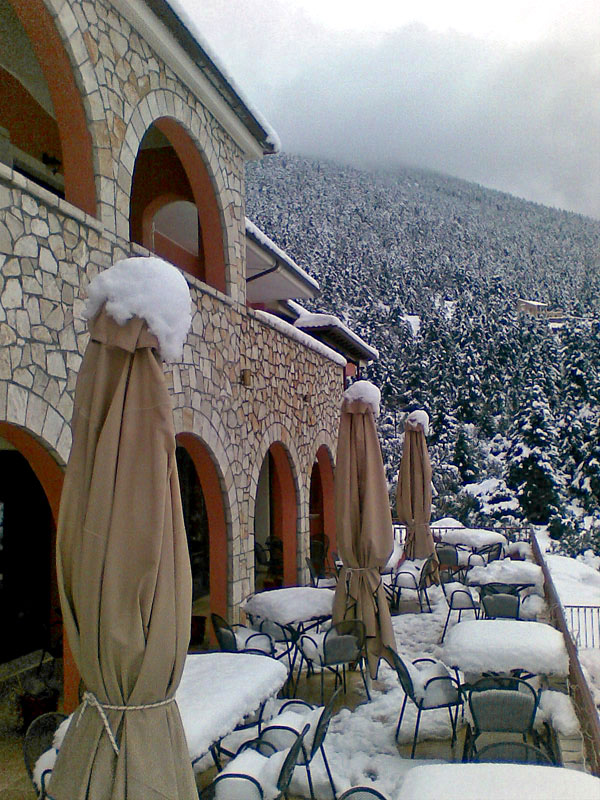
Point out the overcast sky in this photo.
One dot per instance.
(502, 92)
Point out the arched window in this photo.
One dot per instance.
(174, 210)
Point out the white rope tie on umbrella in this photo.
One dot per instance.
(90, 699)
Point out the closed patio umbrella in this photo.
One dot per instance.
(122, 558)
(363, 520)
(413, 494)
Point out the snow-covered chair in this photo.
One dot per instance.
(411, 575)
(428, 684)
(341, 644)
(459, 598)
(39, 751)
(258, 772)
(240, 638)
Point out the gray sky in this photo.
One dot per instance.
(502, 92)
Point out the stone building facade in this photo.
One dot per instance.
(129, 93)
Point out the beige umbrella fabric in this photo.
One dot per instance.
(413, 494)
(124, 577)
(364, 532)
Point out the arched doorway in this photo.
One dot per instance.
(174, 210)
(276, 520)
(204, 516)
(30, 487)
(322, 508)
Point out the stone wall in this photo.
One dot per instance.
(50, 250)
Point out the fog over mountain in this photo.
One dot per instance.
(429, 269)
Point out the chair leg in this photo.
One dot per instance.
(401, 715)
(414, 746)
(362, 673)
(446, 625)
(322, 687)
(329, 775)
(310, 783)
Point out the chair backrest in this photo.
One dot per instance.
(39, 738)
(344, 642)
(292, 758)
(490, 552)
(323, 723)
(447, 554)
(239, 787)
(361, 793)
(503, 710)
(495, 587)
(262, 554)
(224, 633)
(314, 575)
(427, 570)
(282, 634)
(394, 660)
(501, 605)
(517, 752)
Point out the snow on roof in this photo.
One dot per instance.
(264, 241)
(366, 392)
(149, 288)
(416, 419)
(301, 337)
(186, 19)
(310, 320)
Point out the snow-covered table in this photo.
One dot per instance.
(497, 782)
(451, 531)
(516, 573)
(470, 537)
(294, 605)
(218, 690)
(500, 645)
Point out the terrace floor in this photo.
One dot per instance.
(15, 785)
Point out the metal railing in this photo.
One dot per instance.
(584, 625)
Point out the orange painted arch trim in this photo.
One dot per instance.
(211, 226)
(217, 524)
(75, 138)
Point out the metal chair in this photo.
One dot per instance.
(39, 738)
(459, 598)
(362, 793)
(323, 579)
(500, 605)
(232, 785)
(319, 547)
(483, 555)
(515, 752)
(241, 639)
(499, 710)
(418, 581)
(427, 688)
(279, 735)
(341, 644)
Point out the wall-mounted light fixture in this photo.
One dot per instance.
(246, 378)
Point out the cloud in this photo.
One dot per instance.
(521, 117)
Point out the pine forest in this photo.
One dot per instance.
(430, 270)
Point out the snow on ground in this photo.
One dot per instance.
(467, 781)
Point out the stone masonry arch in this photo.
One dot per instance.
(278, 441)
(183, 125)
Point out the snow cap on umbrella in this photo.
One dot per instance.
(151, 289)
(416, 418)
(366, 392)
